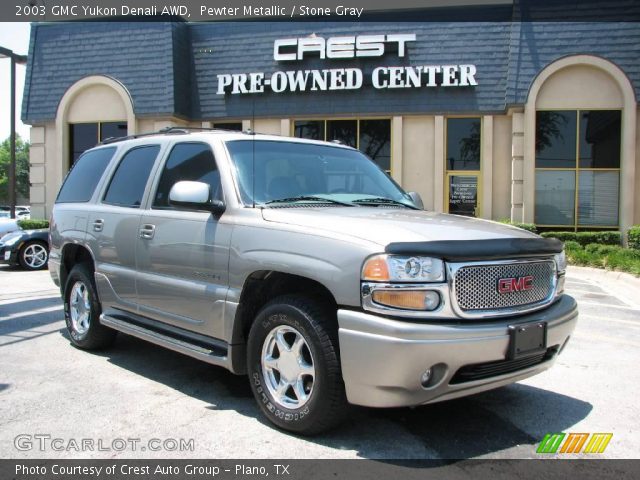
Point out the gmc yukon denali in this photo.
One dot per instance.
(304, 266)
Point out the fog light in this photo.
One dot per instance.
(408, 299)
(431, 300)
(425, 377)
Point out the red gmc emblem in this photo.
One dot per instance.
(519, 284)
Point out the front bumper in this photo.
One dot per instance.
(383, 359)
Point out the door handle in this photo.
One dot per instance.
(98, 224)
(147, 231)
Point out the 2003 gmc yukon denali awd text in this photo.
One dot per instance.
(303, 265)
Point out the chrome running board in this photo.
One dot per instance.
(213, 357)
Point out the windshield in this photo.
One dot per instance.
(291, 170)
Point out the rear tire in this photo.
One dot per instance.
(294, 365)
(82, 311)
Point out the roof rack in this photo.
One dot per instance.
(166, 131)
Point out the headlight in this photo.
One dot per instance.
(394, 268)
(561, 261)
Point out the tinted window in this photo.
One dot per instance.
(598, 194)
(587, 139)
(600, 137)
(112, 130)
(555, 197)
(375, 141)
(234, 126)
(556, 139)
(463, 144)
(188, 161)
(312, 129)
(344, 131)
(127, 184)
(82, 136)
(84, 176)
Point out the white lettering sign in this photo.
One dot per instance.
(384, 77)
(288, 49)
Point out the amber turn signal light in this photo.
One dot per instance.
(376, 270)
(408, 299)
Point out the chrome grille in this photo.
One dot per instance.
(476, 286)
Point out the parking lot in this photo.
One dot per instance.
(139, 391)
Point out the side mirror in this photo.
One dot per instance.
(416, 199)
(194, 195)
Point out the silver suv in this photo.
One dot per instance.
(303, 265)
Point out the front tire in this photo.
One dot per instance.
(82, 311)
(34, 255)
(294, 366)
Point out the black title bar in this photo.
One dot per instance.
(323, 10)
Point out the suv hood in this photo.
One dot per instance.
(387, 225)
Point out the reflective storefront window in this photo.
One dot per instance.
(375, 141)
(598, 198)
(463, 195)
(233, 126)
(112, 130)
(370, 136)
(600, 139)
(555, 197)
(83, 136)
(463, 165)
(311, 129)
(343, 131)
(463, 144)
(556, 140)
(577, 168)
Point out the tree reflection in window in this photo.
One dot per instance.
(375, 141)
(556, 139)
(344, 131)
(577, 168)
(374, 137)
(463, 143)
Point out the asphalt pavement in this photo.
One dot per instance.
(53, 396)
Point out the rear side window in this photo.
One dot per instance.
(84, 176)
(188, 161)
(128, 182)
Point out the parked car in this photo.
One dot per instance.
(26, 248)
(304, 265)
(22, 213)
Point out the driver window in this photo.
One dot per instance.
(188, 161)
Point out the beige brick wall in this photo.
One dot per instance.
(418, 157)
(501, 171)
(37, 172)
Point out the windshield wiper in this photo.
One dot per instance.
(382, 201)
(314, 198)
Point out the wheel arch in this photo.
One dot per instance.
(72, 254)
(259, 288)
